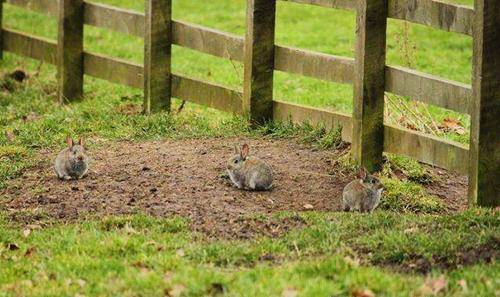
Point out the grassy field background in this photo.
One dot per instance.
(144, 256)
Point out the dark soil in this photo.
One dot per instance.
(187, 178)
(484, 253)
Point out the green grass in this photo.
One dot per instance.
(132, 256)
(334, 254)
(304, 26)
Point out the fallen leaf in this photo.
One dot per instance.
(308, 206)
(180, 253)
(289, 292)
(462, 283)
(362, 293)
(167, 277)
(10, 136)
(450, 123)
(352, 262)
(433, 285)
(30, 117)
(129, 230)
(176, 290)
(26, 232)
(30, 251)
(81, 282)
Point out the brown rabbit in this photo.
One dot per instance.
(72, 162)
(362, 194)
(249, 173)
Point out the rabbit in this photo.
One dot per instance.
(362, 194)
(249, 173)
(72, 162)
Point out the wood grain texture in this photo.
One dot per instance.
(340, 4)
(426, 148)
(484, 174)
(209, 41)
(437, 14)
(259, 60)
(114, 70)
(299, 114)
(31, 46)
(369, 84)
(1, 31)
(428, 88)
(114, 18)
(313, 64)
(70, 50)
(208, 94)
(157, 56)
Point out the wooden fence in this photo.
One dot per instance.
(368, 73)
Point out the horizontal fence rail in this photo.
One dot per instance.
(437, 14)
(399, 80)
(425, 148)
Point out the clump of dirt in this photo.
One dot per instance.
(187, 178)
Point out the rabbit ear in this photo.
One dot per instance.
(363, 173)
(236, 149)
(69, 141)
(244, 151)
(81, 141)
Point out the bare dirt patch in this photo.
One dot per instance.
(186, 177)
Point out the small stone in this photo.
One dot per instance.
(308, 206)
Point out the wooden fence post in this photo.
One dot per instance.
(157, 56)
(1, 29)
(484, 165)
(259, 60)
(369, 83)
(70, 50)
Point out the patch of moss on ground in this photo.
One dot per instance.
(407, 196)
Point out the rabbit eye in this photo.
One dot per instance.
(235, 161)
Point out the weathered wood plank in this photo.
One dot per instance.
(157, 56)
(114, 18)
(437, 14)
(297, 114)
(1, 31)
(426, 148)
(29, 46)
(47, 7)
(209, 41)
(369, 84)
(207, 94)
(312, 64)
(70, 50)
(484, 174)
(340, 4)
(114, 70)
(259, 60)
(428, 88)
